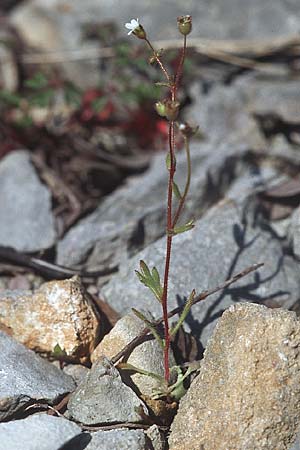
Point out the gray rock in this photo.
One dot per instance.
(247, 394)
(77, 371)
(27, 223)
(234, 110)
(25, 377)
(37, 432)
(294, 233)
(229, 238)
(121, 439)
(102, 397)
(156, 437)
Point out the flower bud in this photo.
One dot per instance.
(184, 24)
(140, 32)
(172, 109)
(168, 108)
(187, 130)
(160, 109)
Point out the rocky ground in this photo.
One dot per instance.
(69, 245)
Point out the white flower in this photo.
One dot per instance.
(132, 25)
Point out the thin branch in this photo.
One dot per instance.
(203, 295)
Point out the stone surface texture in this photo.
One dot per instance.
(77, 371)
(102, 397)
(247, 395)
(25, 377)
(294, 233)
(37, 432)
(229, 238)
(26, 222)
(147, 356)
(63, 315)
(122, 439)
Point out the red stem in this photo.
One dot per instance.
(164, 299)
(168, 251)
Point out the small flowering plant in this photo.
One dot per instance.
(169, 107)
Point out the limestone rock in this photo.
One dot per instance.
(39, 431)
(27, 223)
(147, 356)
(63, 315)
(25, 377)
(247, 395)
(102, 397)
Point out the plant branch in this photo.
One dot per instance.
(203, 295)
(188, 181)
(159, 61)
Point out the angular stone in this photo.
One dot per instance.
(25, 377)
(63, 315)
(39, 431)
(27, 223)
(121, 439)
(102, 397)
(77, 371)
(247, 394)
(147, 356)
(229, 238)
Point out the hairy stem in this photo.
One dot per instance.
(159, 61)
(168, 251)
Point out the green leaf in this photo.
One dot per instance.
(58, 352)
(183, 228)
(183, 315)
(176, 191)
(150, 325)
(72, 95)
(168, 161)
(42, 98)
(162, 83)
(98, 104)
(24, 122)
(127, 366)
(38, 81)
(9, 98)
(151, 280)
